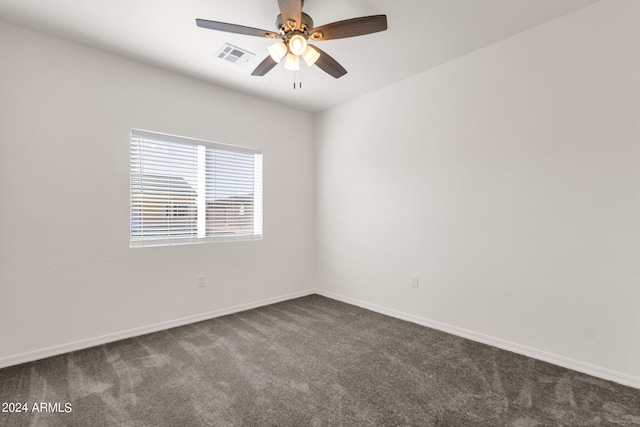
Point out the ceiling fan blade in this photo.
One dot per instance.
(233, 28)
(264, 67)
(329, 65)
(291, 10)
(349, 28)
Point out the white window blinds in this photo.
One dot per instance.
(190, 191)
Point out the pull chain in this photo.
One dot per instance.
(299, 79)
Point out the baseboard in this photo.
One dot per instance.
(565, 362)
(576, 365)
(130, 333)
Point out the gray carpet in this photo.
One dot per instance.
(311, 361)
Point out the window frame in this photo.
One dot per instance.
(137, 138)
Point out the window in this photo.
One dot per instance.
(189, 191)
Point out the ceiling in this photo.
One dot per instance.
(422, 34)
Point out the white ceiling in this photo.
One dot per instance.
(422, 34)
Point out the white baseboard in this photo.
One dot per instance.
(130, 333)
(566, 362)
(576, 365)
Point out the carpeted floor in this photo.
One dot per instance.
(311, 361)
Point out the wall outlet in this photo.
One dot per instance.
(415, 282)
(201, 282)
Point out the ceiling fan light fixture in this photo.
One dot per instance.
(297, 44)
(292, 62)
(310, 55)
(278, 51)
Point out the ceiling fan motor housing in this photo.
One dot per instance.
(306, 25)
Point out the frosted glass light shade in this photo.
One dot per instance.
(297, 44)
(310, 56)
(292, 62)
(278, 51)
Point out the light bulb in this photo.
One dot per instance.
(292, 62)
(297, 44)
(310, 56)
(278, 51)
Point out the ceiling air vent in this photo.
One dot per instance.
(234, 54)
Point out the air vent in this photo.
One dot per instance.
(234, 54)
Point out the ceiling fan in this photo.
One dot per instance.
(295, 28)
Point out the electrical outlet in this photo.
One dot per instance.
(415, 283)
(201, 282)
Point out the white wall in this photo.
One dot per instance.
(509, 180)
(67, 275)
